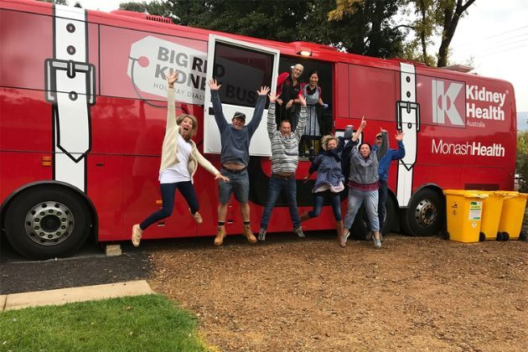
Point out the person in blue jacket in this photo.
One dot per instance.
(384, 162)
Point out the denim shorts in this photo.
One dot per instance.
(238, 184)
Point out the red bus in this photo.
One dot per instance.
(82, 104)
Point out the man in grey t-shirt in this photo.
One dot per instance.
(234, 156)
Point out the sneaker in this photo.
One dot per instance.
(377, 242)
(262, 235)
(344, 237)
(136, 235)
(249, 235)
(198, 218)
(299, 232)
(381, 237)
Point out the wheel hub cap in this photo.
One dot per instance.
(49, 223)
(426, 213)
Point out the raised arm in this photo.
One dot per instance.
(400, 153)
(171, 110)
(217, 105)
(355, 136)
(384, 147)
(303, 117)
(259, 110)
(272, 124)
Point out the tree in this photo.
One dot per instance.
(366, 27)
(436, 17)
(522, 159)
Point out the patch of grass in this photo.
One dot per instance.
(140, 323)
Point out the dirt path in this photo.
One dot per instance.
(310, 295)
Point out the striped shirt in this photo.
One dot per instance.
(285, 149)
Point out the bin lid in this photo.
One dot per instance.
(465, 193)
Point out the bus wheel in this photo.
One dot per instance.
(361, 226)
(49, 222)
(425, 214)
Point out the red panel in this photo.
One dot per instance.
(29, 39)
(342, 91)
(20, 169)
(372, 93)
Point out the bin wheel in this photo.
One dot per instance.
(445, 235)
(499, 236)
(482, 237)
(505, 236)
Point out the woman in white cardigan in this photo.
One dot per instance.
(179, 161)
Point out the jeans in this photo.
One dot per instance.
(168, 194)
(278, 184)
(355, 199)
(238, 184)
(382, 202)
(318, 199)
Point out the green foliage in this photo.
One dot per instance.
(142, 323)
(434, 17)
(522, 158)
(365, 30)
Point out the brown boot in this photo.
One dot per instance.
(249, 234)
(305, 217)
(220, 234)
(342, 234)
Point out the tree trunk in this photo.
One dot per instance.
(451, 19)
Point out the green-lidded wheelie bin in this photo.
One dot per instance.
(464, 215)
(510, 224)
(491, 213)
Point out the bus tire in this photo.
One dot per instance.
(360, 228)
(47, 222)
(425, 215)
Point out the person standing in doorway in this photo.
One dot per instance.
(288, 91)
(234, 156)
(314, 102)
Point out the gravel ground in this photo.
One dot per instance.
(310, 295)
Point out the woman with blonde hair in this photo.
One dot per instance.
(179, 161)
(329, 181)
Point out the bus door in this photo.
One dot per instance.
(241, 68)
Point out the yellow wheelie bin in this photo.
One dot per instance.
(510, 224)
(491, 213)
(464, 215)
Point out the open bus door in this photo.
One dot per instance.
(241, 68)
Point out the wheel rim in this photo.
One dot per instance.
(426, 213)
(49, 223)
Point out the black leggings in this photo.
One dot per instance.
(168, 194)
